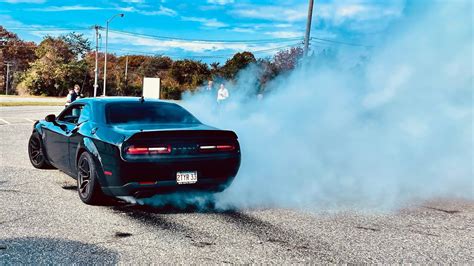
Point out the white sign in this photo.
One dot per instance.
(151, 88)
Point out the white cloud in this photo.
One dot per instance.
(220, 2)
(164, 11)
(161, 46)
(211, 23)
(65, 8)
(8, 21)
(24, 1)
(284, 34)
(161, 10)
(341, 12)
(243, 30)
(283, 25)
(272, 13)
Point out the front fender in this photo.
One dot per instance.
(37, 127)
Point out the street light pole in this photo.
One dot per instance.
(105, 55)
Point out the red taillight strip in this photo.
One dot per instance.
(210, 148)
(136, 150)
(146, 183)
(225, 147)
(132, 150)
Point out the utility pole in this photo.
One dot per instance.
(8, 78)
(96, 71)
(308, 27)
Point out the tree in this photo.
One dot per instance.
(287, 60)
(56, 68)
(77, 43)
(268, 72)
(189, 73)
(17, 53)
(238, 62)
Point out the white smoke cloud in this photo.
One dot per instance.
(398, 130)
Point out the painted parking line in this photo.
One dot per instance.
(5, 121)
(29, 120)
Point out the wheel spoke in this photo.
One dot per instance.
(34, 144)
(34, 154)
(84, 185)
(84, 177)
(83, 171)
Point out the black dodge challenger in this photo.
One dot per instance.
(126, 146)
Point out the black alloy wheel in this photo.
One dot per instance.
(88, 186)
(35, 152)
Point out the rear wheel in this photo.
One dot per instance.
(88, 185)
(35, 152)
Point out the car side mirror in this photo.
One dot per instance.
(50, 118)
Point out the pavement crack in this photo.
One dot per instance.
(368, 228)
(12, 220)
(423, 233)
(10, 190)
(274, 240)
(122, 234)
(202, 244)
(442, 210)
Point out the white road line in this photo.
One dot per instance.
(5, 121)
(29, 120)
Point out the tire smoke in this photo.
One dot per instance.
(397, 128)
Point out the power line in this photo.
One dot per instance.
(206, 56)
(158, 37)
(338, 42)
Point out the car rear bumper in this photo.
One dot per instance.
(148, 189)
(149, 178)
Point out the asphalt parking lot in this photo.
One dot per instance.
(42, 220)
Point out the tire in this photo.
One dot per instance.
(88, 186)
(36, 152)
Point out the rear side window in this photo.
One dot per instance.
(147, 112)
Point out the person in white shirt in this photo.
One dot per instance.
(222, 94)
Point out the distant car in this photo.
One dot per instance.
(125, 146)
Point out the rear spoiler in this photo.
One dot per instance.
(184, 134)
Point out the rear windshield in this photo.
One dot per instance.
(147, 112)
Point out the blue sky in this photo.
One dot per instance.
(261, 26)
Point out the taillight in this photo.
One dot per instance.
(136, 150)
(214, 148)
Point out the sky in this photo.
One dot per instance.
(208, 30)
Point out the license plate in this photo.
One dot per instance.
(190, 177)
